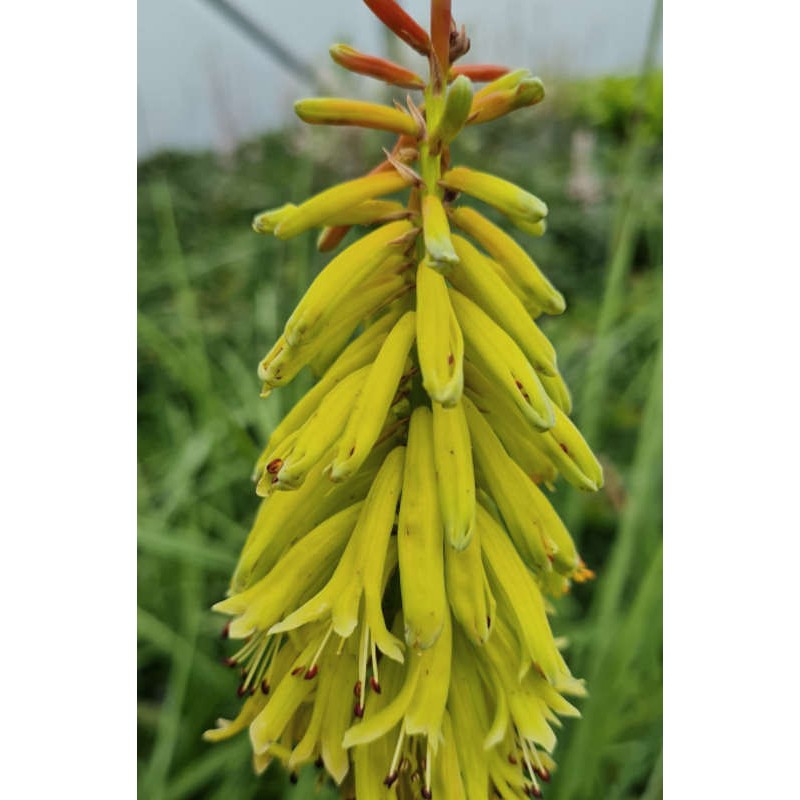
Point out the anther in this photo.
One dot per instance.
(389, 780)
(543, 774)
(373, 682)
(358, 710)
(226, 630)
(241, 691)
(264, 686)
(312, 673)
(427, 793)
(563, 447)
(319, 763)
(297, 670)
(512, 759)
(229, 661)
(274, 466)
(293, 778)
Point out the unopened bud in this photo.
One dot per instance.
(457, 108)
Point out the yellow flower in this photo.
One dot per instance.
(403, 546)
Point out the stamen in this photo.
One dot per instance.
(535, 790)
(314, 668)
(251, 676)
(363, 653)
(374, 681)
(275, 648)
(393, 768)
(226, 630)
(427, 793)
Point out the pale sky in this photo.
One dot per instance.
(203, 84)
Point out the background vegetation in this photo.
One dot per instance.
(212, 298)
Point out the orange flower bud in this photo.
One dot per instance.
(478, 73)
(401, 24)
(373, 67)
(528, 92)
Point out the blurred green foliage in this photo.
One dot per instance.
(213, 296)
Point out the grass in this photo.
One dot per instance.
(212, 298)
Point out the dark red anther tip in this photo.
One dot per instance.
(293, 778)
(229, 662)
(312, 673)
(543, 774)
(389, 780)
(451, 359)
(563, 447)
(512, 759)
(265, 686)
(274, 466)
(253, 690)
(319, 763)
(241, 691)
(357, 689)
(373, 682)
(427, 793)
(226, 631)
(358, 710)
(297, 670)
(536, 791)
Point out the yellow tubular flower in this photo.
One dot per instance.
(440, 343)
(403, 548)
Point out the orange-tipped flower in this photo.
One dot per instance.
(342, 111)
(528, 92)
(373, 67)
(441, 23)
(401, 24)
(478, 73)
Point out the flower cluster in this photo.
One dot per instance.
(391, 593)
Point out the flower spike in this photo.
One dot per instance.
(405, 546)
